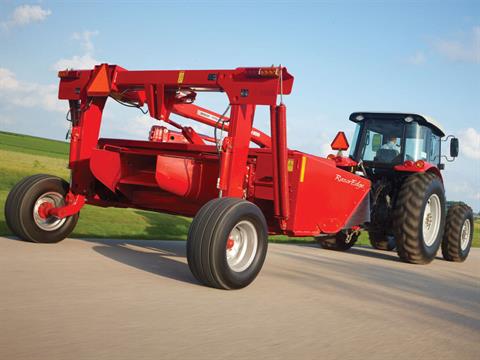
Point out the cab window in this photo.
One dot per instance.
(417, 142)
(435, 149)
(382, 143)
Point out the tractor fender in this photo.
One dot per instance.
(412, 167)
(433, 169)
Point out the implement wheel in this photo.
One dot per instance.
(458, 235)
(419, 218)
(24, 209)
(227, 243)
(339, 242)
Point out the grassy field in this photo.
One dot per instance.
(22, 155)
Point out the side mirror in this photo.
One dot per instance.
(454, 146)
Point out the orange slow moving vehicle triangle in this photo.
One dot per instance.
(100, 85)
(340, 142)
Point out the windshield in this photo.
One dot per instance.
(417, 142)
(382, 141)
(391, 142)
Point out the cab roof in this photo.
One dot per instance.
(422, 119)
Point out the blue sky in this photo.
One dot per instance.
(346, 56)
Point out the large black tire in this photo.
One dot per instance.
(20, 204)
(419, 195)
(458, 235)
(381, 241)
(337, 242)
(10, 201)
(217, 233)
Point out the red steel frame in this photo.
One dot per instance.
(300, 194)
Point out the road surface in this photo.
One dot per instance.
(126, 299)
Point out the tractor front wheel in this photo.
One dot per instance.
(227, 243)
(341, 241)
(458, 235)
(419, 218)
(24, 209)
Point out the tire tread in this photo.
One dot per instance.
(202, 242)
(456, 216)
(407, 217)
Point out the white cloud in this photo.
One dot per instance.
(76, 62)
(418, 58)
(28, 94)
(470, 143)
(326, 149)
(84, 61)
(25, 14)
(85, 38)
(139, 127)
(7, 80)
(462, 50)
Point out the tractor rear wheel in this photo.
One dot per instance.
(227, 243)
(23, 209)
(339, 242)
(419, 218)
(458, 235)
(381, 241)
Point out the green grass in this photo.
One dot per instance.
(22, 155)
(33, 145)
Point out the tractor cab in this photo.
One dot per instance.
(386, 140)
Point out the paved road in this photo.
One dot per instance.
(134, 300)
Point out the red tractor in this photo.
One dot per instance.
(237, 193)
(401, 154)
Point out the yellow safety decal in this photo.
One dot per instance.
(181, 76)
(302, 169)
(290, 165)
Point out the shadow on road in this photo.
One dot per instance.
(162, 257)
(362, 250)
(378, 254)
(157, 257)
(434, 294)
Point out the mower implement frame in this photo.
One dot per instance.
(181, 175)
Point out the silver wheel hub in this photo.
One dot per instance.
(48, 223)
(465, 234)
(242, 245)
(432, 216)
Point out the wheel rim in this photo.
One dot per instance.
(431, 219)
(465, 235)
(242, 244)
(48, 200)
